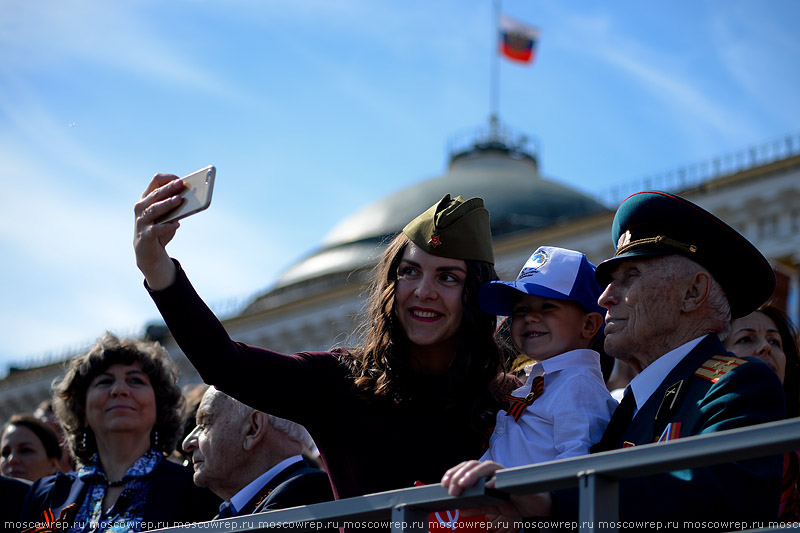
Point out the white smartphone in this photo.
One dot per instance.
(196, 195)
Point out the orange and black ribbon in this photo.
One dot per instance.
(50, 524)
(516, 406)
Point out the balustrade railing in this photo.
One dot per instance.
(596, 476)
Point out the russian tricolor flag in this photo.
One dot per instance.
(517, 40)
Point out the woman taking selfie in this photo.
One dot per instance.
(418, 393)
(120, 406)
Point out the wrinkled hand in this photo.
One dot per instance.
(150, 238)
(466, 474)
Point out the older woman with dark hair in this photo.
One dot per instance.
(769, 334)
(120, 406)
(421, 386)
(29, 448)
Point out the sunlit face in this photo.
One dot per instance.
(22, 454)
(756, 335)
(214, 444)
(121, 399)
(543, 328)
(644, 303)
(428, 298)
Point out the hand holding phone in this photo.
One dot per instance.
(196, 195)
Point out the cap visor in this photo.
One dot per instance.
(498, 297)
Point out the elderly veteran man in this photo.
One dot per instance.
(678, 276)
(252, 460)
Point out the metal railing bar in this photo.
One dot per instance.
(407, 519)
(598, 471)
(598, 501)
(379, 506)
(702, 450)
(786, 527)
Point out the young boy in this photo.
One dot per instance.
(564, 406)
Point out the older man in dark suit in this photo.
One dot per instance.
(678, 276)
(252, 460)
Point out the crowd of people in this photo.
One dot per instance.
(428, 394)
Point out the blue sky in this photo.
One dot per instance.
(311, 109)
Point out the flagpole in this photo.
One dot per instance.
(494, 116)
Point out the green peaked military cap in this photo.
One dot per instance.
(655, 223)
(454, 228)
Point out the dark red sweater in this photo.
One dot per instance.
(367, 445)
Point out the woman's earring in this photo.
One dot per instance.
(82, 443)
(155, 439)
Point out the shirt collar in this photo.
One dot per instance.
(241, 498)
(573, 358)
(649, 379)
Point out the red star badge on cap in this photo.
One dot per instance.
(435, 241)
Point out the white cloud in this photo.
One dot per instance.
(69, 267)
(30, 129)
(41, 36)
(760, 55)
(695, 107)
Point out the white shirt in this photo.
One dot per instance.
(571, 414)
(241, 498)
(648, 380)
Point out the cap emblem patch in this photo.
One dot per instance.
(533, 265)
(624, 239)
(435, 241)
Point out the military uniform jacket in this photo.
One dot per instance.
(297, 484)
(710, 390)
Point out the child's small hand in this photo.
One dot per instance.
(466, 474)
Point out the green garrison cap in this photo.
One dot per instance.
(654, 223)
(454, 228)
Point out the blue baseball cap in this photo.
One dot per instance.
(550, 272)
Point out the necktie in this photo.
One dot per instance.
(516, 406)
(226, 510)
(619, 422)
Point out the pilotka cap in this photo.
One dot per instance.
(454, 228)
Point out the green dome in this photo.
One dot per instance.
(508, 180)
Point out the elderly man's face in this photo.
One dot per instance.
(215, 445)
(643, 301)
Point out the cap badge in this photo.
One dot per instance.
(533, 265)
(435, 241)
(624, 239)
(538, 259)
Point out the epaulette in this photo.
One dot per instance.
(718, 366)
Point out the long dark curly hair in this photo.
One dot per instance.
(69, 393)
(382, 366)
